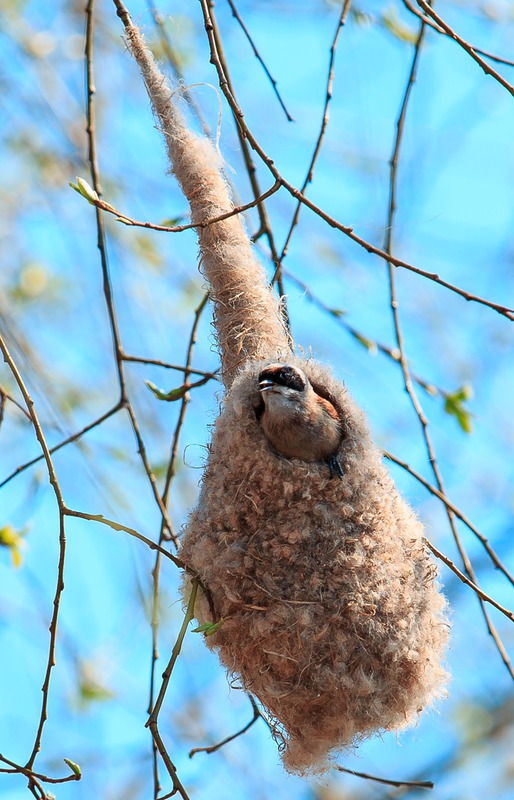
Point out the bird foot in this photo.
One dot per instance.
(335, 467)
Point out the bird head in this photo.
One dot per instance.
(283, 379)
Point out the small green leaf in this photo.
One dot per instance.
(464, 393)
(172, 222)
(202, 628)
(8, 536)
(171, 396)
(209, 628)
(369, 344)
(362, 17)
(13, 540)
(74, 767)
(89, 691)
(84, 189)
(464, 420)
(214, 628)
(454, 405)
(430, 389)
(148, 251)
(399, 30)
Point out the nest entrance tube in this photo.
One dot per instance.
(247, 316)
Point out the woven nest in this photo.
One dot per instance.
(330, 606)
(331, 611)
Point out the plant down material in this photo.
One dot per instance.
(332, 616)
(331, 611)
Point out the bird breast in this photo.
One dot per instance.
(299, 430)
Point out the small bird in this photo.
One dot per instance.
(296, 420)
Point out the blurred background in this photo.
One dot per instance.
(454, 218)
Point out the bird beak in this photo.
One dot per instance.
(266, 385)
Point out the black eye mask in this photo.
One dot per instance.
(285, 376)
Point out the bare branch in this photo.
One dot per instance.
(5, 395)
(37, 777)
(469, 49)
(62, 547)
(212, 749)
(324, 123)
(371, 344)
(110, 209)
(430, 22)
(167, 365)
(102, 247)
(165, 495)
(296, 193)
(73, 438)
(416, 405)
(152, 722)
(259, 58)
(456, 511)
(478, 591)
(117, 526)
(388, 781)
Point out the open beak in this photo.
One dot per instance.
(266, 385)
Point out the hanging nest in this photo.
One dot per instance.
(330, 608)
(331, 611)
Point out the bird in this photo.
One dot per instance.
(296, 420)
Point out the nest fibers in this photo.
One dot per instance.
(331, 613)
(247, 318)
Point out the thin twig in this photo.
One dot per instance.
(466, 46)
(152, 722)
(167, 365)
(334, 223)
(259, 58)
(165, 494)
(73, 438)
(491, 56)
(389, 782)
(129, 222)
(37, 776)
(117, 526)
(185, 400)
(371, 344)
(456, 511)
(478, 591)
(188, 616)
(102, 247)
(62, 548)
(416, 405)
(241, 130)
(397, 262)
(324, 123)
(5, 395)
(212, 748)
